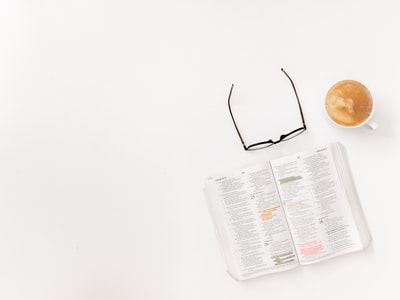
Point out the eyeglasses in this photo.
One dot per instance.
(283, 137)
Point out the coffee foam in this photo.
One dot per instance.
(348, 103)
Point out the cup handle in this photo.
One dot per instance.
(371, 125)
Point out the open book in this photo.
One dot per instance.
(298, 209)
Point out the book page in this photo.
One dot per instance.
(315, 204)
(345, 175)
(251, 222)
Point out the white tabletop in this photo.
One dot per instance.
(112, 114)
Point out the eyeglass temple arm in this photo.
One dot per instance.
(233, 119)
(297, 97)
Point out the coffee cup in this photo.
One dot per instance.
(349, 104)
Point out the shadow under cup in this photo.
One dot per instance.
(349, 104)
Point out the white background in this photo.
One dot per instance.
(112, 114)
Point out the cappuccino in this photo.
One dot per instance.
(349, 103)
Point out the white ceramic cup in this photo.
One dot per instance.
(349, 104)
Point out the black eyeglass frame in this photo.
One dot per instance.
(270, 142)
